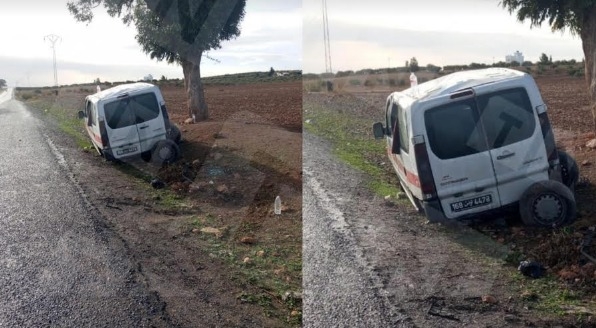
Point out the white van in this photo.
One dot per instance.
(131, 120)
(479, 141)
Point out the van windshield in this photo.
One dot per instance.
(454, 131)
(131, 110)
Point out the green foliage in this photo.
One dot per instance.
(344, 73)
(432, 68)
(2, 83)
(558, 13)
(477, 66)
(166, 31)
(271, 72)
(414, 65)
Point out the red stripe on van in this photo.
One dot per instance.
(410, 176)
(96, 137)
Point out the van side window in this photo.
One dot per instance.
(403, 129)
(94, 114)
(145, 106)
(88, 112)
(391, 115)
(453, 130)
(507, 116)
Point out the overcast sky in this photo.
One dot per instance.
(379, 33)
(271, 36)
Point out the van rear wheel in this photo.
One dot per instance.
(165, 152)
(547, 204)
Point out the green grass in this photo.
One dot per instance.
(257, 278)
(546, 294)
(354, 144)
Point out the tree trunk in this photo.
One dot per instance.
(588, 36)
(197, 107)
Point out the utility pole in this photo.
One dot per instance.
(328, 68)
(53, 39)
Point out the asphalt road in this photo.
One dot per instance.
(341, 288)
(60, 264)
(367, 263)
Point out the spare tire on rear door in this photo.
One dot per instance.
(547, 203)
(165, 152)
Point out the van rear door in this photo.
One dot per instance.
(458, 153)
(514, 139)
(149, 119)
(121, 128)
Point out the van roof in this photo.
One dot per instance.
(460, 80)
(118, 90)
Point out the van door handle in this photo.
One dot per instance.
(505, 156)
(479, 189)
(144, 127)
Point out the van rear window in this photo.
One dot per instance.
(453, 130)
(507, 116)
(456, 129)
(131, 110)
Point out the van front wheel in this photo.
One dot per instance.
(165, 152)
(547, 204)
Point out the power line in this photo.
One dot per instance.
(328, 68)
(53, 39)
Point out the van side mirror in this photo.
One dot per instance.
(378, 130)
(81, 114)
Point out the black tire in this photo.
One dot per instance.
(547, 203)
(107, 157)
(569, 170)
(174, 134)
(146, 156)
(165, 152)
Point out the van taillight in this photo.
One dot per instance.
(425, 174)
(549, 139)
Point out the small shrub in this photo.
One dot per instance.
(355, 82)
(392, 82)
(37, 91)
(26, 96)
(369, 82)
(401, 82)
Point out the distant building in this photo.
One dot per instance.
(516, 57)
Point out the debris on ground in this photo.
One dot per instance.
(531, 269)
(157, 184)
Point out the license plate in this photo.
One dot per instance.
(125, 151)
(465, 204)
